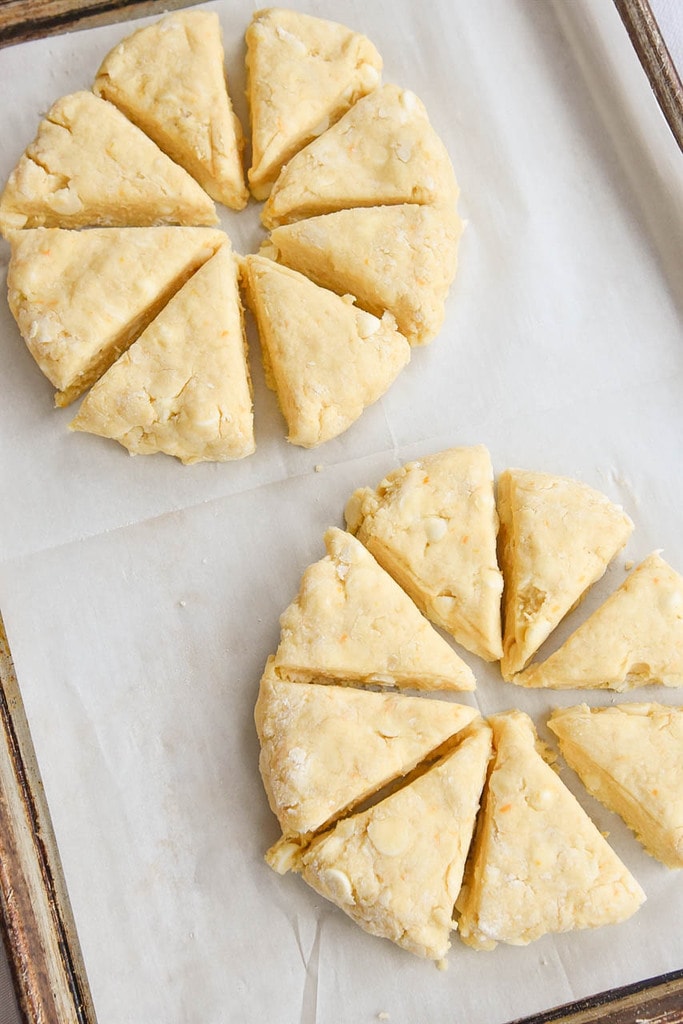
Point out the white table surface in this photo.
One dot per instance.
(669, 14)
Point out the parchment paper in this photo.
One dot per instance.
(141, 598)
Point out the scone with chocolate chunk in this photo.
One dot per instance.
(325, 748)
(169, 79)
(432, 524)
(326, 359)
(382, 152)
(89, 165)
(351, 621)
(539, 864)
(635, 638)
(396, 868)
(557, 537)
(303, 73)
(398, 258)
(183, 387)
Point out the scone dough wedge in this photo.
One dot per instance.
(432, 524)
(396, 868)
(183, 387)
(381, 152)
(631, 758)
(81, 297)
(350, 621)
(169, 80)
(557, 537)
(538, 864)
(633, 639)
(325, 359)
(399, 258)
(326, 748)
(303, 73)
(89, 165)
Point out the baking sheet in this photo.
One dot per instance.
(141, 597)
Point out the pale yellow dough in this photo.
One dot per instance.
(89, 165)
(326, 359)
(396, 868)
(539, 864)
(169, 80)
(303, 73)
(557, 537)
(631, 758)
(432, 524)
(325, 748)
(633, 639)
(183, 388)
(352, 622)
(397, 258)
(383, 151)
(81, 297)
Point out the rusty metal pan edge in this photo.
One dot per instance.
(653, 54)
(39, 931)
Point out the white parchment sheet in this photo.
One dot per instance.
(141, 598)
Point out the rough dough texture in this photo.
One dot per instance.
(325, 748)
(81, 297)
(539, 864)
(383, 151)
(169, 80)
(183, 388)
(631, 758)
(352, 622)
(89, 165)
(303, 73)
(396, 869)
(633, 639)
(557, 537)
(326, 359)
(397, 258)
(432, 524)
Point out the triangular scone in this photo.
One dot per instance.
(350, 621)
(396, 868)
(634, 638)
(326, 359)
(557, 537)
(538, 863)
(169, 80)
(303, 73)
(432, 525)
(183, 387)
(383, 151)
(89, 165)
(325, 748)
(81, 297)
(631, 758)
(397, 258)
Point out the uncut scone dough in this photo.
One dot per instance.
(326, 359)
(396, 868)
(538, 864)
(183, 387)
(631, 758)
(634, 638)
(325, 748)
(303, 73)
(169, 80)
(383, 151)
(398, 258)
(432, 524)
(557, 537)
(350, 621)
(81, 297)
(89, 165)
